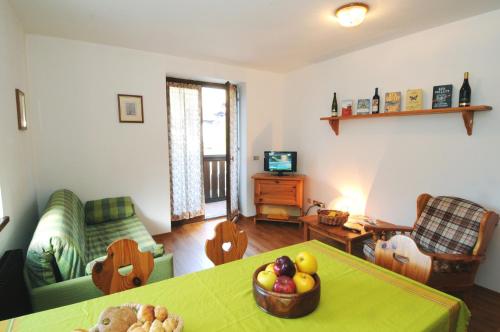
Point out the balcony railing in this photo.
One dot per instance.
(214, 176)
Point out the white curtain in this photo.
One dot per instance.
(234, 150)
(185, 151)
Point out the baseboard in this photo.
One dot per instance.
(245, 218)
(187, 221)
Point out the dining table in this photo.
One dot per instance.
(356, 295)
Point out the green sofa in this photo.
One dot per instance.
(69, 238)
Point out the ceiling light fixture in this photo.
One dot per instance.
(351, 14)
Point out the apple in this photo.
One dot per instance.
(267, 279)
(303, 281)
(306, 263)
(284, 284)
(283, 266)
(270, 267)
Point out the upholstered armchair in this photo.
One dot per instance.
(453, 231)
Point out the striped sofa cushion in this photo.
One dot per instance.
(58, 246)
(100, 236)
(108, 209)
(448, 225)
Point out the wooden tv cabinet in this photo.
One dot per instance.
(274, 190)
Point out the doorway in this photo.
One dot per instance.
(203, 150)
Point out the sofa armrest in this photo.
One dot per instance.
(83, 288)
(164, 268)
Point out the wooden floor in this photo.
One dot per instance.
(187, 242)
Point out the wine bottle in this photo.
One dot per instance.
(335, 109)
(376, 103)
(465, 92)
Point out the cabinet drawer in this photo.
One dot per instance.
(276, 192)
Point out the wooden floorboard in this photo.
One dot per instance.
(187, 242)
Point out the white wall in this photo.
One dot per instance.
(382, 164)
(81, 145)
(16, 178)
(388, 162)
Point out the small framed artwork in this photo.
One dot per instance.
(442, 96)
(346, 107)
(363, 107)
(22, 124)
(130, 109)
(392, 102)
(414, 99)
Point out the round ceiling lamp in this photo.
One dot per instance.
(351, 14)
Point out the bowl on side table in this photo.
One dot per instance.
(333, 217)
(286, 305)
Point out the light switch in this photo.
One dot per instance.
(256, 157)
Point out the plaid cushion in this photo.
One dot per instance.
(108, 209)
(448, 225)
(100, 236)
(58, 241)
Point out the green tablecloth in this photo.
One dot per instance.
(355, 296)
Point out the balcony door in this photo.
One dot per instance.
(203, 149)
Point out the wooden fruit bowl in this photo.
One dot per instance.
(286, 305)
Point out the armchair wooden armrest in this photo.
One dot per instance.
(388, 228)
(455, 257)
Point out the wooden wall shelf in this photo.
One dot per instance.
(467, 115)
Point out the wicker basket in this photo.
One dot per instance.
(135, 307)
(339, 219)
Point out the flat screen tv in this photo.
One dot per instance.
(280, 161)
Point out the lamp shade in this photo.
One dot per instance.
(352, 14)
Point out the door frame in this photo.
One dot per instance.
(224, 86)
(228, 150)
(202, 83)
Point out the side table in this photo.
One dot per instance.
(336, 233)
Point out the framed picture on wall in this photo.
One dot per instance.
(130, 108)
(22, 124)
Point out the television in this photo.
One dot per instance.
(280, 161)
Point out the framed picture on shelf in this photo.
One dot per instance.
(392, 102)
(130, 109)
(363, 106)
(414, 99)
(22, 123)
(347, 107)
(441, 96)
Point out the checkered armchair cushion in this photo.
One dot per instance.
(448, 225)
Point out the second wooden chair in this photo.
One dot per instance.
(226, 235)
(121, 253)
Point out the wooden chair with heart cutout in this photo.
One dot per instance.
(228, 244)
(122, 253)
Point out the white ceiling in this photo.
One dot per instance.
(276, 35)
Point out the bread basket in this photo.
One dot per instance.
(332, 217)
